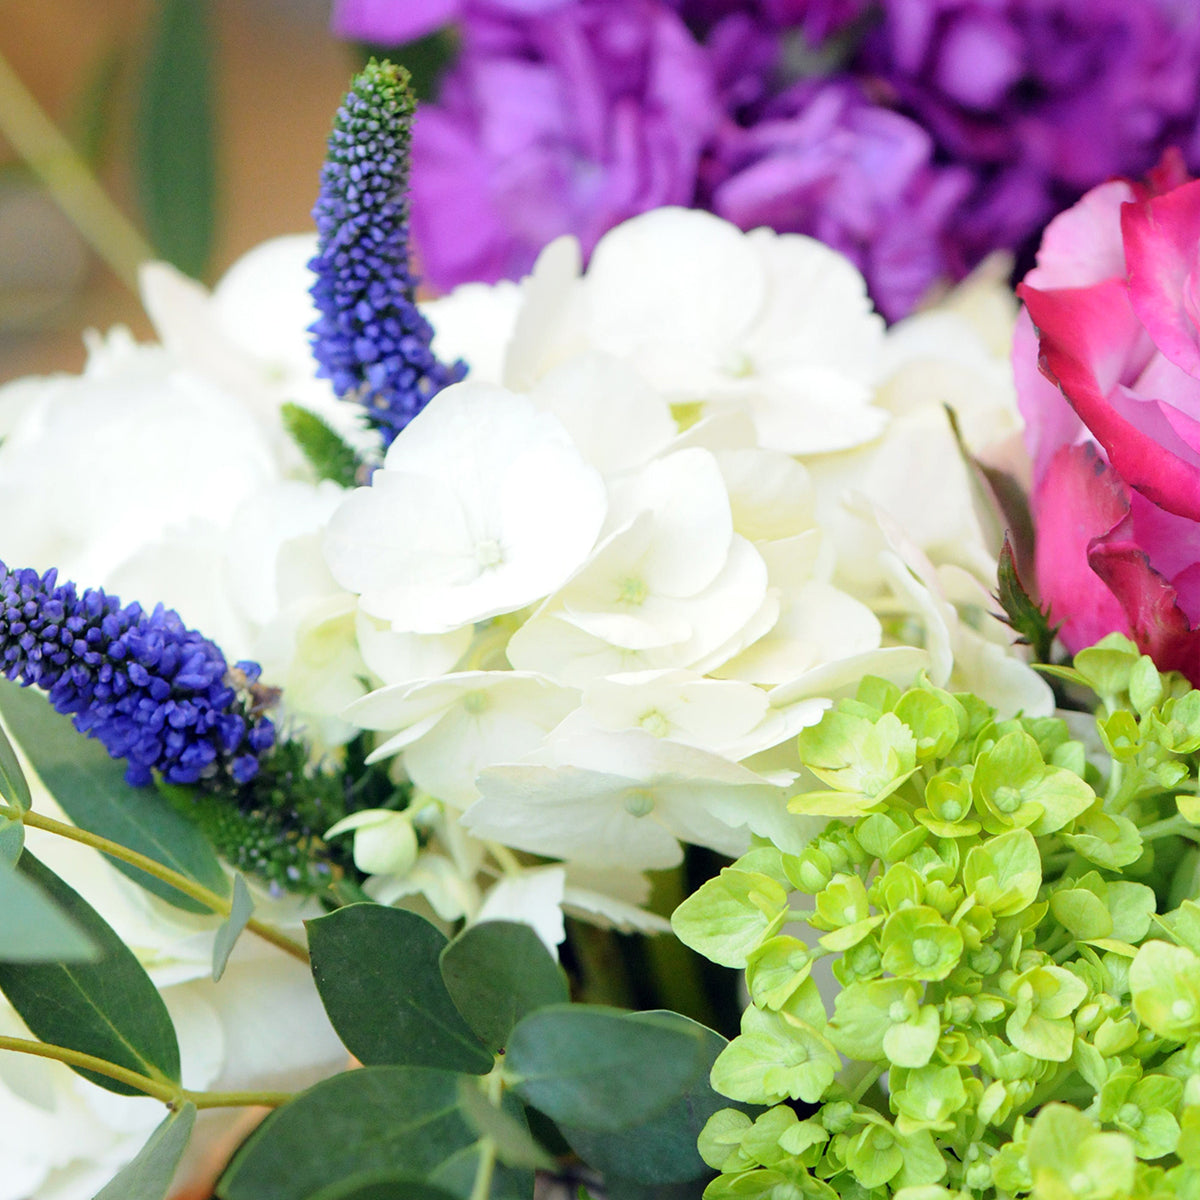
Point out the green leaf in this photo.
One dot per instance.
(328, 455)
(149, 1175)
(376, 969)
(231, 928)
(514, 1143)
(12, 839)
(385, 1186)
(601, 1069)
(34, 928)
(91, 789)
(727, 918)
(175, 157)
(107, 1008)
(14, 787)
(357, 1129)
(498, 972)
(661, 1149)
(1030, 622)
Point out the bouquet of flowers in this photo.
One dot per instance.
(395, 690)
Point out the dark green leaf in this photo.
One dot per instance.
(385, 1186)
(496, 973)
(107, 1008)
(457, 1175)
(230, 931)
(90, 123)
(174, 160)
(514, 1144)
(14, 787)
(617, 1188)
(1021, 612)
(363, 1127)
(149, 1175)
(35, 929)
(376, 969)
(91, 789)
(12, 839)
(327, 454)
(663, 1148)
(601, 1069)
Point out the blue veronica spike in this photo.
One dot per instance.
(371, 340)
(148, 688)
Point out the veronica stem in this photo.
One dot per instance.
(199, 893)
(169, 1093)
(74, 188)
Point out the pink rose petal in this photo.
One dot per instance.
(1080, 499)
(1161, 237)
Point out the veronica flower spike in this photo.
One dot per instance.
(371, 340)
(148, 688)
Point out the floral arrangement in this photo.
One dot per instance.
(380, 770)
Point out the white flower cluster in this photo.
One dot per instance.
(681, 501)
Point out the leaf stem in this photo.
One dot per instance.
(199, 893)
(494, 1089)
(74, 188)
(170, 1094)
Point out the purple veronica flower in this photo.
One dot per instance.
(370, 340)
(149, 689)
(824, 161)
(569, 121)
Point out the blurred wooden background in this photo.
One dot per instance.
(279, 78)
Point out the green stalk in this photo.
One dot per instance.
(199, 893)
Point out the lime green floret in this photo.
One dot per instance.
(1008, 909)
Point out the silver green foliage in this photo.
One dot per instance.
(1017, 944)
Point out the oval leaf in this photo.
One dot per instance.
(513, 1141)
(241, 911)
(174, 162)
(149, 1175)
(497, 972)
(385, 1186)
(602, 1069)
(34, 928)
(14, 787)
(108, 1008)
(663, 1148)
(12, 841)
(376, 969)
(357, 1129)
(90, 788)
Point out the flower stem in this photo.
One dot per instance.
(199, 893)
(1176, 826)
(169, 1093)
(74, 188)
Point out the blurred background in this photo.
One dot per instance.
(94, 67)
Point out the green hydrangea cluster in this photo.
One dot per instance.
(1017, 954)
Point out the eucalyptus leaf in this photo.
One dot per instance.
(149, 1175)
(34, 928)
(14, 787)
(385, 1186)
(662, 1149)
(377, 973)
(175, 157)
(90, 787)
(514, 1143)
(107, 1008)
(362, 1128)
(600, 1069)
(497, 972)
(458, 1173)
(241, 911)
(12, 839)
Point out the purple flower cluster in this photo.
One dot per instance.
(149, 689)
(915, 135)
(370, 340)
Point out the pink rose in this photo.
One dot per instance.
(1112, 322)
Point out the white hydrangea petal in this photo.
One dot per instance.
(402, 658)
(900, 664)
(437, 879)
(615, 418)
(474, 323)
(533, 898)
(770, 494)
(673, 278)
(548, 327)
(814, 410)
